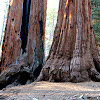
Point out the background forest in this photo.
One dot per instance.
(96, 20)
(52, 10)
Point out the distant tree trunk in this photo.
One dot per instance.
(74, 55)
(23, 44)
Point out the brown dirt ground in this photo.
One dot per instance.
(53, 91)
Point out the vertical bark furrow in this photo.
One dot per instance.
(41, 43)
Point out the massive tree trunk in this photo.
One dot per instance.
(23, 44)
(74, 55)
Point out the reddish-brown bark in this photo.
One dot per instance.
(23, 44)
(11, 44)
(73, 55)
(11, 50)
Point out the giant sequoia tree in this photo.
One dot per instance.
(74, 55)
(23, 50)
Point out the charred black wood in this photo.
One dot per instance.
(25, 24)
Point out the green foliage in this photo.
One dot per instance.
(51, 21)
(96, 19)
(96, 15)
(50, 27)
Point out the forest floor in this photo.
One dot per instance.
(53, 91)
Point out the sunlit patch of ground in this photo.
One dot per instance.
(52, 91)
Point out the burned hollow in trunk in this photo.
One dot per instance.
(23, 30)
(25, 24)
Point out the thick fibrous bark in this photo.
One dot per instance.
(23, 44)
(12, 44)
(36, 32)
(73, 56)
